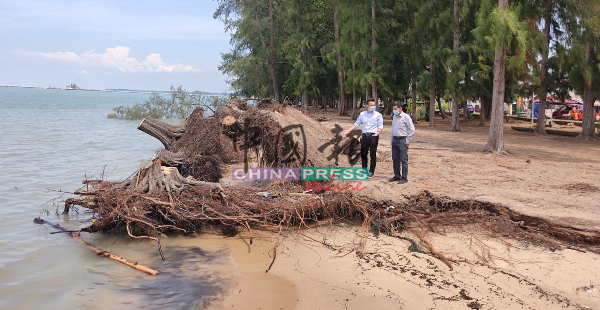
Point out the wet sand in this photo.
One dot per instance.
(254, 288)
(307, 275)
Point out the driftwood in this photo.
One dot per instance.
(102, 253)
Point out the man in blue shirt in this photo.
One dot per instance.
(372, 124)
(402, 131)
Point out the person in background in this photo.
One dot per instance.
(575, 113)
(372, 124)
(402, 131)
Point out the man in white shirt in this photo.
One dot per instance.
(372, 124)
(402, 131)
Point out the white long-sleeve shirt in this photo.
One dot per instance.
(402, 126)
(370, 121)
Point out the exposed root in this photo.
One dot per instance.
(159, 199)
(431, 249)
(146, 237)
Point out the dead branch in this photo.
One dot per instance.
(102, 253)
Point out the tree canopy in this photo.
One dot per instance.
(341, 52)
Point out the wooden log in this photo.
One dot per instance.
(345, 141)
(102, 253)
(229, 109)
(348, 145)
(523, 129)
(549, 131)
(168, 158)
(167, 134)
(562, 132)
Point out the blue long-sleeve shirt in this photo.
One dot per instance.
(370, 121)
(402, 126)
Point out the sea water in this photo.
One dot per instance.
(51, 140)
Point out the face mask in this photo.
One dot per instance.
(372, 109)
(396, 112)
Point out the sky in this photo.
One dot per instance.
(148, 45)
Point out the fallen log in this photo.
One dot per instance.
(102, 253)
(165, 133)
(168, 158)
(348, 145)
(548, 131)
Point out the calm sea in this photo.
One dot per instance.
(50, 140)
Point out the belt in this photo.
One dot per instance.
(399, 137)
(368, 134)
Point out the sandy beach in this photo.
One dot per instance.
(363, 271)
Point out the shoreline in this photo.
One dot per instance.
(129, 91)
(307, 275)
(254, 288)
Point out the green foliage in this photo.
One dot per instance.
(413, 44)
(179, 104)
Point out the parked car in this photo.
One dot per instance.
(471, 108)
(562, 112)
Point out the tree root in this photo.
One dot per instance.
(146, 237)
(433, 251)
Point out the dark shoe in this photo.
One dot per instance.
(403, 181)
(393, 179)
(371, 174)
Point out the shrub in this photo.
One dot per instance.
(179, 104)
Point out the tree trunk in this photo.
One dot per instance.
(484, 106)
(165, 133)
(304, 102)
(588, 131)
(455, 123)
(354, 115)
(373, 51)
(442, 112)
(168, 158)
(495, 141)
(273, 55)
(431, 98)
(414, 102)
(269, 60)
(465, 111)
(540, 128)
(388, 105)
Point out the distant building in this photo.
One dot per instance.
(72, 87)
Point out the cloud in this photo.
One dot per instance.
(84, 72)
(113, 58)
(169, 20)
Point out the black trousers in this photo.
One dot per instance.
(369, 144)
(400, 156)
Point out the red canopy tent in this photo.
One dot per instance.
(553, 99)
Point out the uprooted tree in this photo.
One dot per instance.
(180, 190)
